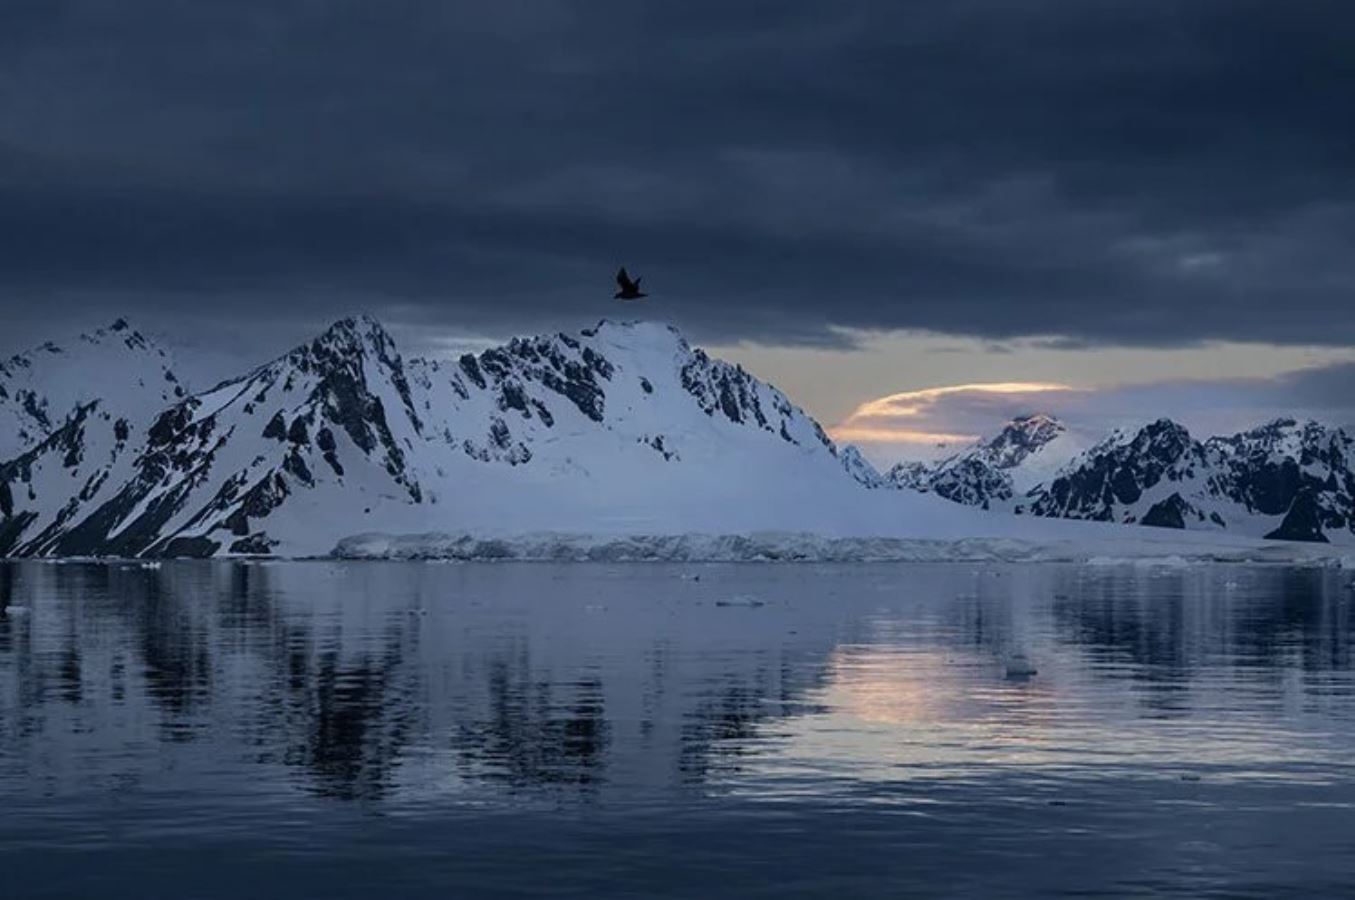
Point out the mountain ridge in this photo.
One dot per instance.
(620, 429)
(343, 428)
(128, 373)
(1283, 479)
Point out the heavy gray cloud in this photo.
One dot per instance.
(1089, 170)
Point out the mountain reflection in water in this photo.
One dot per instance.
(346, 726)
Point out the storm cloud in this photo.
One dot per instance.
(1090, 171)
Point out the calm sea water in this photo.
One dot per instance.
(421, 730)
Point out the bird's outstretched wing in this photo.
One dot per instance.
(623, 280)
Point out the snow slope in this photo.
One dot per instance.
(128, 374)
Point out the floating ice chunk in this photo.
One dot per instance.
(749, 602)
(1020, 666)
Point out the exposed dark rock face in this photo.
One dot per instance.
(1303, 521)
(731, 392)
(1170, 513)
(189, 548)
(1118, 472)
(1159, 475)
(972, 482)
(335, 382)
(981, 475)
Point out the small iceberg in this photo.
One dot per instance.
(747, 602)
(1020, 666)
(16, 610)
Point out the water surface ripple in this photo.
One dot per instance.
(358, 729)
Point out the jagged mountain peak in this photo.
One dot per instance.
(1021, 437)
(996, 471)
(1285, 430)
(121, 330)
(1162, 435)
(348, 338)
(595, 367)
(344, 350)
(127, 373)
(642, 327)
(119, 333)
(358, 327)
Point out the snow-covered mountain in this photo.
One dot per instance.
(127, 374)
(614, 433)
(997, 473)
(1285, 480)
(623, 427)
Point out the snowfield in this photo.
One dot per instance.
(769, 546)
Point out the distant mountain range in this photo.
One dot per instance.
(622, 429)
(1286, 479)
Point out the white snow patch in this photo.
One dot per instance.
(770, 546)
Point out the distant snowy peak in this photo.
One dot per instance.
(1285, 479)
(1113, 476)
(128, 374)
(1020, 439)
(993, 473)
(1307, 443)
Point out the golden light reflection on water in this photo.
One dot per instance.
(898, 712)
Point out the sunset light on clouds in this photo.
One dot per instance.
(918, 418)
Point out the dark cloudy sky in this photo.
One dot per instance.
(865, 183)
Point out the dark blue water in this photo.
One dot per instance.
(409, 730)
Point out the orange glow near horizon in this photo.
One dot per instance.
(865, 423)
(849, 434)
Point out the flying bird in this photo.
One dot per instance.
(630, 290)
